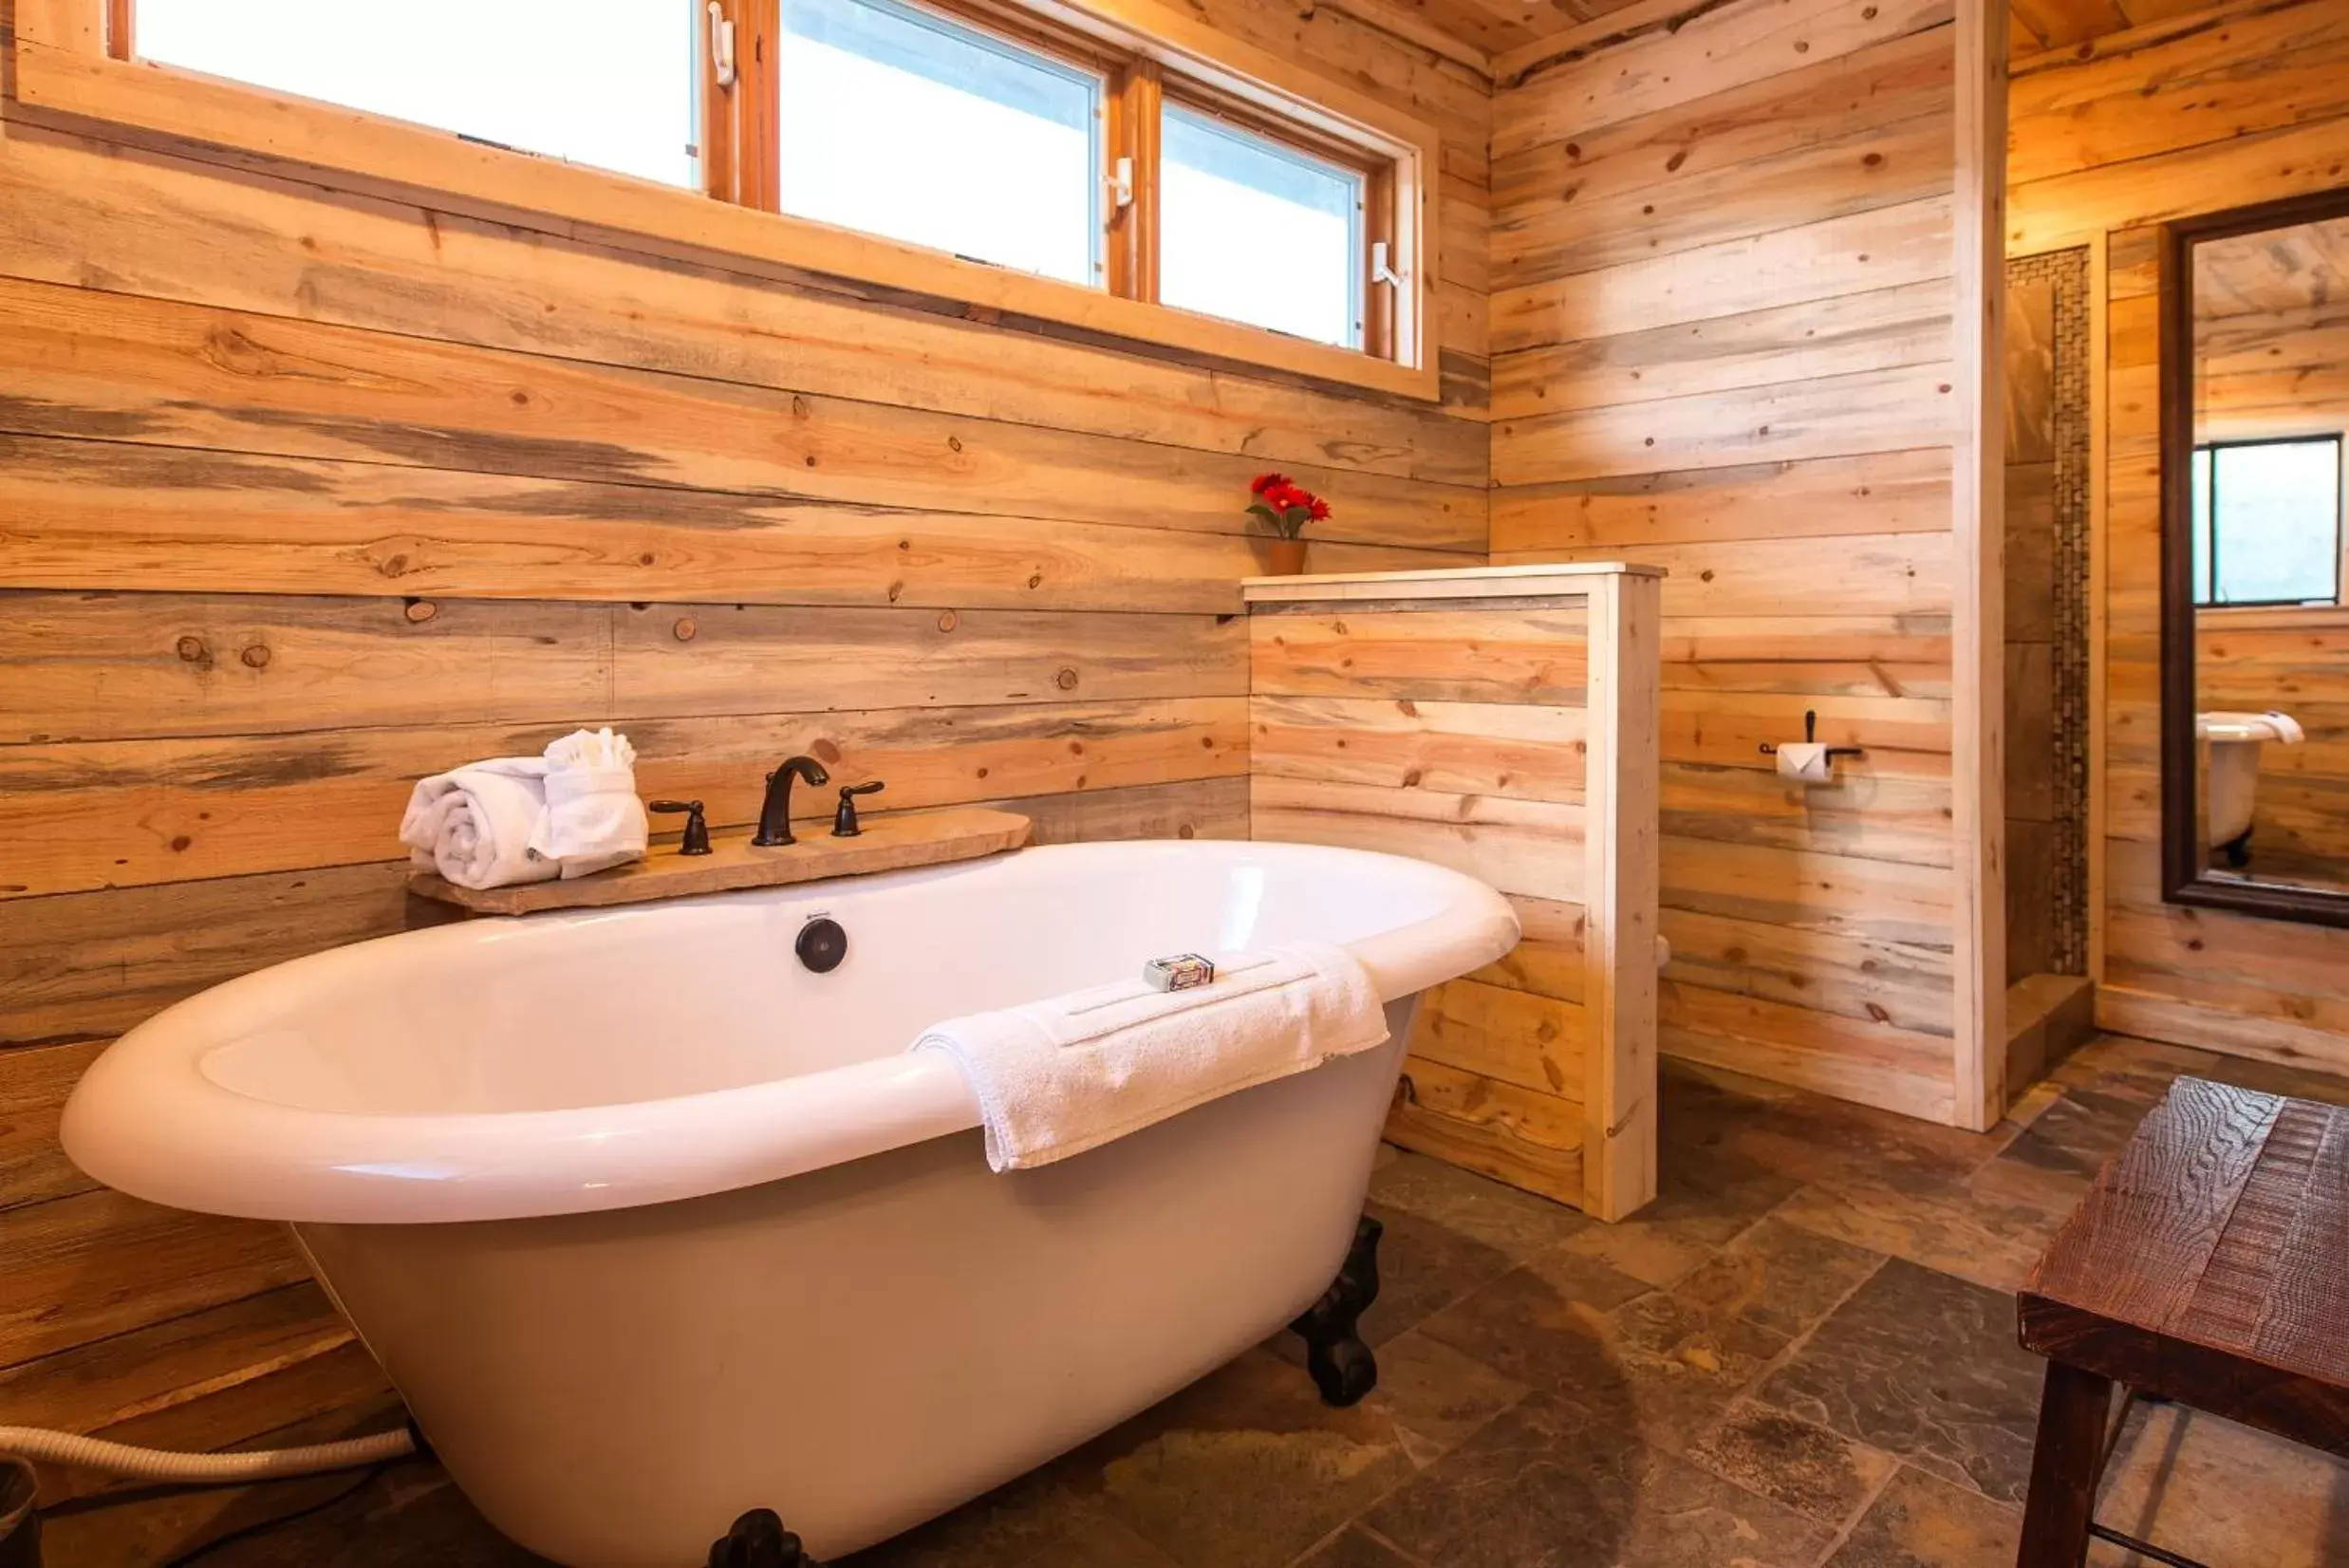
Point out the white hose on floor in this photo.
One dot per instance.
(227, 1470)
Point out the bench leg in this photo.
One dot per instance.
(2073, 1408)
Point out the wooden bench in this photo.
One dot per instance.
(2209, 1266)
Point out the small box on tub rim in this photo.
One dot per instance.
(1177, 972)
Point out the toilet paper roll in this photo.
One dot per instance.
(1806, 761)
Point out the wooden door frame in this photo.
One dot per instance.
(1978, 544)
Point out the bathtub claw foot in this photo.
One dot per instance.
(759, 1541)
(2238, 849)
(1341, 1364)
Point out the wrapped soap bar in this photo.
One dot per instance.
(1179, 972)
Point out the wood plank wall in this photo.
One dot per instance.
(305, 493)
(1506, 727)
(2196, 113)
(1723, 268)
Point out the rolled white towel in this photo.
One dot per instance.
(593, 820)
(473, 825)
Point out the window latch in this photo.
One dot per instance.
(1122, 183)
(721, 44)
(1381, 272)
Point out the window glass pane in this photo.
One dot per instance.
(2199, 525)
(2276, 522)
(610, 83)
(1257, 231)
(902, 123)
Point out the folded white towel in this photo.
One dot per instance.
(1057, 1077)
(568, 812)
(593, 820)
(474, 824)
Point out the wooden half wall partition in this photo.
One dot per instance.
(1503, 722)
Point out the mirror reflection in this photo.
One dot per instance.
(2271, 404)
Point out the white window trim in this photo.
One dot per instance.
(63, 75)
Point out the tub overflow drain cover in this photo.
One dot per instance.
(822, 945)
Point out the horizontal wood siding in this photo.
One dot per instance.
(304, 494)
(1499, 733)
(1723, 262)
(2196, 112)
(1454, 734)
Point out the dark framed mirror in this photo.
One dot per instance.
(2255, 559)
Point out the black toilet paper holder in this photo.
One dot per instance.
(1810, 736)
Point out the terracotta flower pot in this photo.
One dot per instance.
(1284, 557)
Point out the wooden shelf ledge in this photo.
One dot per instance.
(1440, 583)
(892, 841)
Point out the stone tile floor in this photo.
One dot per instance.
(1803, 1354)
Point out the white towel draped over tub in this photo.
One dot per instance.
(515, 819)
(1057, 1077)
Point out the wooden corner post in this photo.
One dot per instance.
(1977, 534)
(1620, 892)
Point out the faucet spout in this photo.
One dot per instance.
(775, 813)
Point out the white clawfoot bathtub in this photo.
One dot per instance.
(2231, 743)
(651, 1225)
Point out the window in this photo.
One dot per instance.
(900, 123)
(608, 82)
(1259, 232)
(2267, 522)
(1117, 169)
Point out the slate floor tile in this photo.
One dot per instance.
(1425, 1266)
(1808, 1468)
(1097, 1541)
(1684, 1363)
(1810, 1138)
(1925, 1367)
(1552, 1484)
(1695, 1212)
(1988, 1230)
(1245, 1468)
(2020, 1185)
(1779, 1277)
(1004, 1528)
(2223, 1494)
(1436, 1396)
(1921, 1521)
(2146, 1067)
(2080, 1131)
(1545, 1325)
(1357, 1548)
(1516, 1223)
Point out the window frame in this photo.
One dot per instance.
(2339, 442)
(73, 66)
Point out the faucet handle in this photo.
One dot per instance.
(844, 820)
(697, 841)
